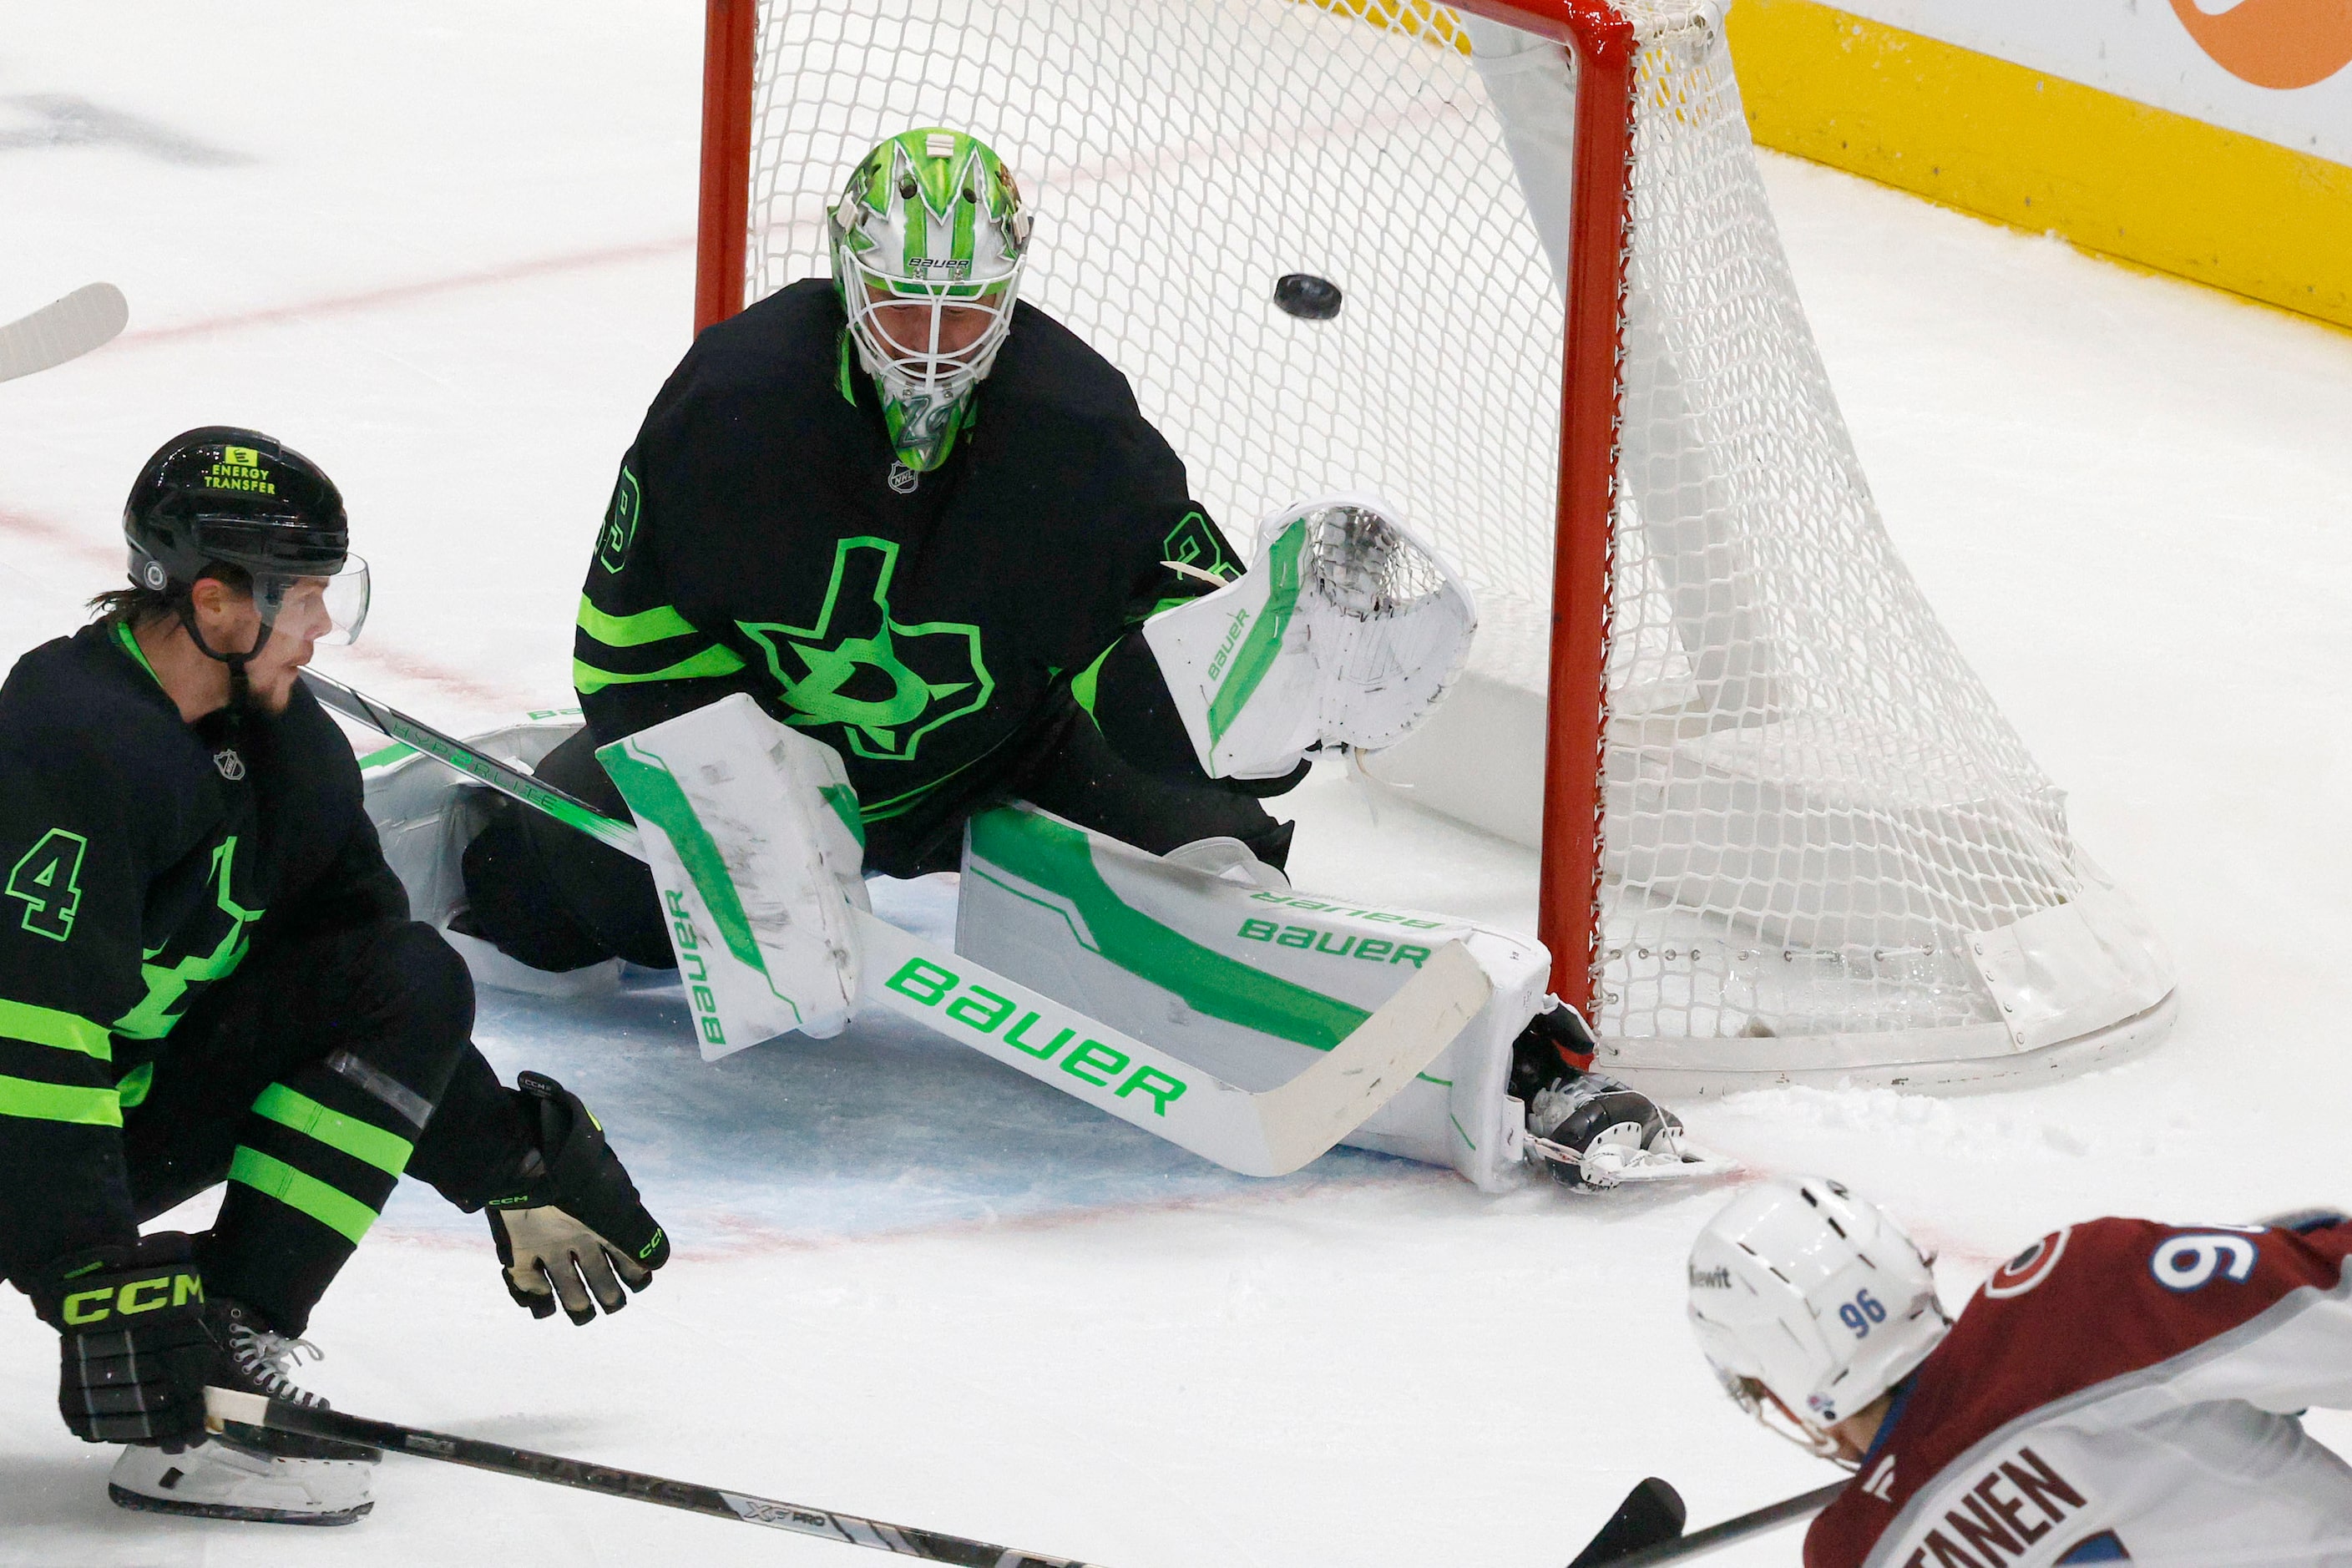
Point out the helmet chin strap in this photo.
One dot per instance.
(240, 691)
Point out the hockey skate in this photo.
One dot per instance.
(247, 1473)
(1586, 1129)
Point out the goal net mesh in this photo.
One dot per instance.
(1814, 812)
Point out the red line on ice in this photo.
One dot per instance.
(401, 293)
(67, 540)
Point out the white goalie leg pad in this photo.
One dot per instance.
(426, 813)
(1347, 631)
(1247, 980)
(423, 811)
(751, 828)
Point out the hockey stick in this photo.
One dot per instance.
(1269, 1132)
(223, 1407)
(1646, 1529)
(62, 330)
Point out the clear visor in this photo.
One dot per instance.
(935, 334)
(327, 610)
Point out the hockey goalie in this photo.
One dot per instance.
(897, 579)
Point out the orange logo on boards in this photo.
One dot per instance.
(2272, 42)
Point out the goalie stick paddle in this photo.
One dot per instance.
(1269, 1132)
(224, 1408)
(1646, 1529)
(62, 330)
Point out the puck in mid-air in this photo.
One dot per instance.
(1307, 297)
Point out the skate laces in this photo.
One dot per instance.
(270, 1360)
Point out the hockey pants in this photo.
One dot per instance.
(308, 1081)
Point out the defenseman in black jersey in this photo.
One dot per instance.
(925, 524)
(207, 973)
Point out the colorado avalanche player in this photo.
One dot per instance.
(2122, 1389)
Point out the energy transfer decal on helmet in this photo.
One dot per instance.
(241, 469)
(887, 683)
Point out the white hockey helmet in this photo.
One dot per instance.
(1811, 1302)
(928, 241)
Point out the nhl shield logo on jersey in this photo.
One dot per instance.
(885, 682)
(230, 765)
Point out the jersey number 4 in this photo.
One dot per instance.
(49, 881)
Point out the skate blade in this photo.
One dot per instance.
(1686, 1163)
(140, 1502)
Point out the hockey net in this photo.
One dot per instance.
(1820, 850)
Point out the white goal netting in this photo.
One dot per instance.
(1825, 849)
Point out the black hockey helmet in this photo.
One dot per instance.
(221, 496)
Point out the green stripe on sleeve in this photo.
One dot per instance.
(47, 1027)
(586, 677)
(634, 631)
(387, 1152)
(60, 1102)
(338, 1211)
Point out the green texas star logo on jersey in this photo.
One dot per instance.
(887, 683)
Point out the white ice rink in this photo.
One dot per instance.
(446, 248)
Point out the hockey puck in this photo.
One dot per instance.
(1307, 297)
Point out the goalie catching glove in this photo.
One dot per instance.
(572, 1230)
(1346, 632)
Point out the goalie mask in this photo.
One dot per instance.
(928, 241)
(1810, 1304)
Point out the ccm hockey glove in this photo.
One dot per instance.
(572, 1230)
(135, 1354)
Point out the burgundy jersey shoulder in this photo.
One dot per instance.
(2081, 1307)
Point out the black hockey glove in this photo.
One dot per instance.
(572, 1230)
(135, 1354)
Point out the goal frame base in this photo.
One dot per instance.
(1698, 1078)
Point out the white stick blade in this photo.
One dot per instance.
(1340, 1091)
(63, 329)
(229, 1405)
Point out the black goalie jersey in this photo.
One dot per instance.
(763, 537)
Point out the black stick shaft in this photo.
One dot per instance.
(848, 1529)
(1787, 1512)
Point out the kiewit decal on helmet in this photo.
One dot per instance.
(928, 241)
(221, 497)
(1810, 1304)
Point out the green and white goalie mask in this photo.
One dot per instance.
(928, 242)
(1346, 631)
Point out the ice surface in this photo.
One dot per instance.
(446, 248)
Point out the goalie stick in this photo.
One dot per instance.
(1646, 1529)
(225, 1407)
(1269, 1132)
(62, 330)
